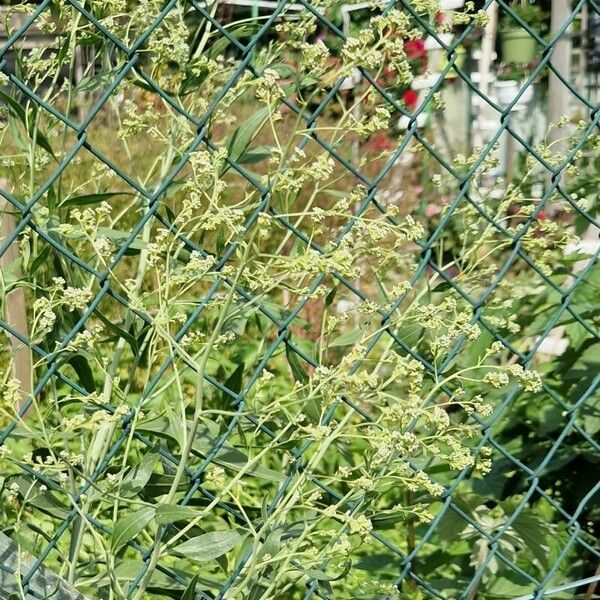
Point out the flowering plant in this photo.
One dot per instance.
(256, 370)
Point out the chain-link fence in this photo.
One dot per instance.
(524, 526)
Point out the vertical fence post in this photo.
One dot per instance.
(558, 96)
(15, 312)
(484, 74)
(487, 48)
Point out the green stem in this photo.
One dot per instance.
(199, 401)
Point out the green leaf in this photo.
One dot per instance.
(172, 189)
(298, 370)
(410, 334)
(130, 339)
(209, 545)
(347, 339)
(138, 476)
(452, 524)
(220, 244)
(533, 530)
(52, 198)
(331, 296)
(193, 82)
(39, 260)
(320, 575)
(120, 236)
(233, 383)
(206, 438)
(141, 83)
(45, 501)
(373, 562)
(16, 135)
(591, 415)
(335, 193)
(30, 124)
(126, 529)
(388, 519)
(87, 199)
(444, 286)
(170, 513)
(128, 569)
(284, 70)
(502, 587)
(255, 155)
(190, 590)
(245, 133)
(84, 372)
(272, 544)
(159, 485)
(219, 46)
(93, 82)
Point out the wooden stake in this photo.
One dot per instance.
(15, 312)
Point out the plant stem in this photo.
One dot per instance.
(199, 401)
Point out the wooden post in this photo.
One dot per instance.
(558, 95)
(480, 110)
(15, 313)
(487, 48)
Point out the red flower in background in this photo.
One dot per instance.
(388, 73)
(410, 98)
(415, 48)
(380, 142)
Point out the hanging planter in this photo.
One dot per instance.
(432, 43)
(451, 4)
(352, 81)
(443, 62)
(511, 79)
(333, 68)
(404, 121)
(517, 46)
(438, 54)
(507, 90)
(425, 81)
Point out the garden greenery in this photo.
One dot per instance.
(265, 363)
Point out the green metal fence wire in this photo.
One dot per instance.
(405, 562)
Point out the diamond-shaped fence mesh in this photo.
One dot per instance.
(299, 300)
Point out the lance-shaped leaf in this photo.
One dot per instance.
(209, 546)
